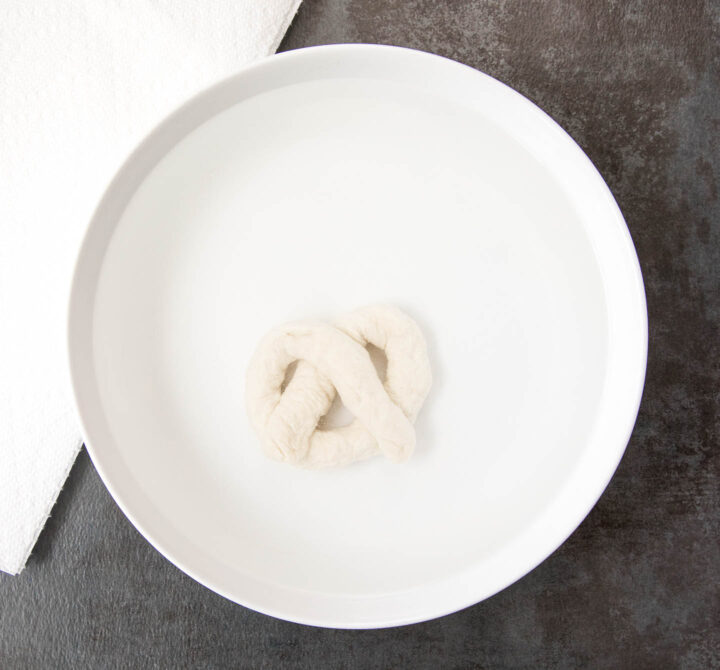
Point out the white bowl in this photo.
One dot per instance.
(309, 184)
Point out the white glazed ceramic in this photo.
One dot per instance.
(309, 184)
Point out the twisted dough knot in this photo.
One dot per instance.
(330, 360)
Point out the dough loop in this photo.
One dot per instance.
(334, 359)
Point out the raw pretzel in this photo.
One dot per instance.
(334, 359)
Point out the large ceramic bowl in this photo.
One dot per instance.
(305, 186)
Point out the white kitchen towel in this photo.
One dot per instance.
(81, 82)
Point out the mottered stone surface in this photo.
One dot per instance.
(637, 84)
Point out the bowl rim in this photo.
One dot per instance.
(432, 600)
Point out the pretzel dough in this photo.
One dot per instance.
(334, 359)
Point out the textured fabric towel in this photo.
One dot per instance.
(80, 84)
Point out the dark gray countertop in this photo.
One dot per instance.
(637, 84)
